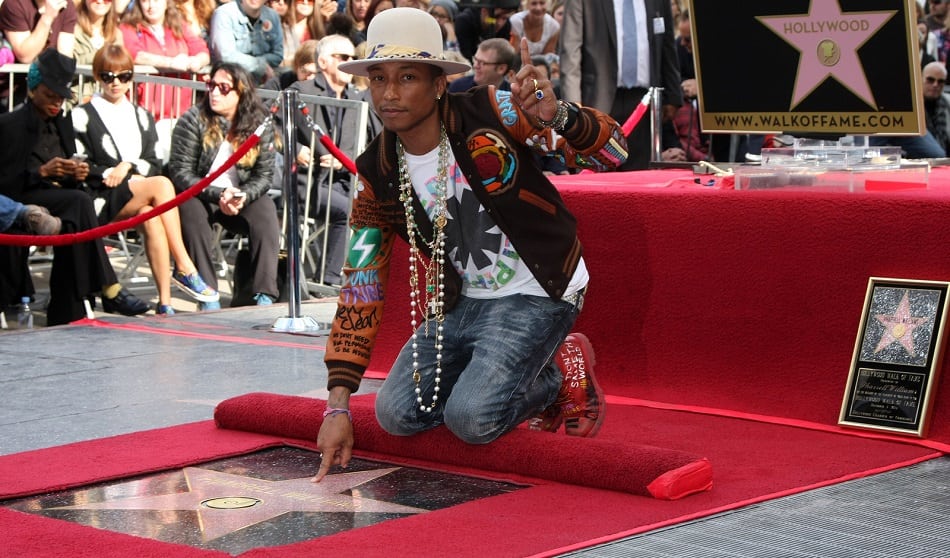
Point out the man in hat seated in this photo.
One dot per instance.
(39, 168)
(496, 276)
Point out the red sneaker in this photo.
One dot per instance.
(581, 400)
(548, 420)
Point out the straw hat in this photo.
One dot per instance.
(403, 34)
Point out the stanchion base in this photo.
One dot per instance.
(300, 324)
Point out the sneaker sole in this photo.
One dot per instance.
(588, 351)
(194, 294)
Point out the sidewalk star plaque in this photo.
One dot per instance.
(897, 356)
(832, 67)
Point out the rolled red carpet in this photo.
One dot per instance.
(625, 467)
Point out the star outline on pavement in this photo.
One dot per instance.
(831, 53)
(274, 498)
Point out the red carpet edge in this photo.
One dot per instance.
(624, 467)
(783, 421)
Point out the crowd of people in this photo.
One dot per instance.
(128, 170)
(302, 44)
(933, 34)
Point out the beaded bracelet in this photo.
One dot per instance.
(560, 117)
(331, 411)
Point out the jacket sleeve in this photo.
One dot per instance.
(148, 163)
(85, 145)
(591, 140)
(185, 155)
(360, 306)
(261, 174)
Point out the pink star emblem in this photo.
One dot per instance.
(899, 327)
(828, 41)
(226, 503)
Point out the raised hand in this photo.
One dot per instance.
(532, 90)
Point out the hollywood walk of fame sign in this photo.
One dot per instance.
(897, 356)
(808, 67)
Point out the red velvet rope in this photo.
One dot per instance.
(637, 114)
(340, 156)
(112, 228)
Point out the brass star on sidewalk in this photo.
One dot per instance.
(828, 40)
(226, 503)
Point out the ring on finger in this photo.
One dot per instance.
(535, 84)
(538, 94)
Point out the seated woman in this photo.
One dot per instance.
(203, 139)
(124, 174)
(156, 35)
(38, 168)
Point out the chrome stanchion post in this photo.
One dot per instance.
(656, 122)
(294, 322)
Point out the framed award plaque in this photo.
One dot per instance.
(897, 356)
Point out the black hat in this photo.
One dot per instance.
(56, 71)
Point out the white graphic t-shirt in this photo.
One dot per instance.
(484, 257)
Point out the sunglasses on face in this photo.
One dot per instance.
(342, 57)
(109, 77)
(223, 88)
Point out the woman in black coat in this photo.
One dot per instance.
(204, 138)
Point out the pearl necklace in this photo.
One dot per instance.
(433, 302)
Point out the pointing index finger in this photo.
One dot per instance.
(525, 55)
(325, 463)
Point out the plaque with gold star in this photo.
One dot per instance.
(808, 67)
(897, 356)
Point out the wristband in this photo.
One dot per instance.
(330, 411)
(560, 117)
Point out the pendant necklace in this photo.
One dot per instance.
(431, 303)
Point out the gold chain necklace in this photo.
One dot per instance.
(432, 303)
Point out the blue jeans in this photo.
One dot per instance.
(9, 211)
(497, 369)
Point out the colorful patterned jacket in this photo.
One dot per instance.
(491, 140)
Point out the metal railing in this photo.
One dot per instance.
(309, 227)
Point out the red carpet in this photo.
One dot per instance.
(625, 467)
(753, 461)
(735, 313)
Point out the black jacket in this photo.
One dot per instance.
(191, 160)
(489, 137)
(20, 130)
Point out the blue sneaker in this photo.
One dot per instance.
(263, 299)
(164, 310)
(194, 286)
(204, 306)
